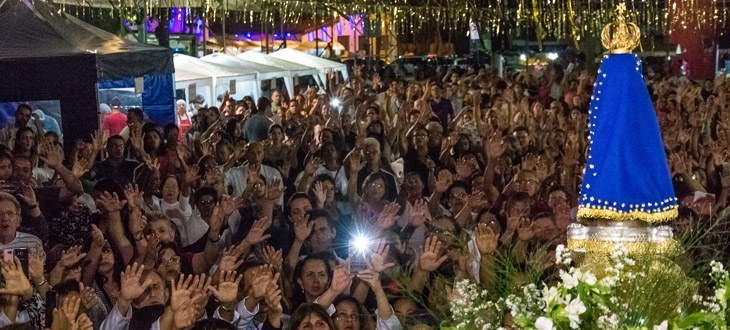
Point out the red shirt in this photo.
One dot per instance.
(184, 125)
(115, 123)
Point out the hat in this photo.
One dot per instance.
(626, 175)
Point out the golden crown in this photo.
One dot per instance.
(626, 36)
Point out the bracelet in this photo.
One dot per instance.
(30, 207)
(223, 307)
(41, 283)
(216, 240)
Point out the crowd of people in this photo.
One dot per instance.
(354, 207)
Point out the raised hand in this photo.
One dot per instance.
(261, 278)
(199, 291)
(230, 204)
(80, 167)
(379, 257)
(53, 156)
(98, 139)
(320, 194)
(442, 184)
(485, 238)
(387, 217)
(36, 261)
(231, 259)
(529, 162)
(16, 283)
(133, 195)
(83, 322)
(184, 315)
(191, 174)
(274, 190)
(180, 291)
(356, 163)
(525, 231)
(273, 257)
(419, 213)
(88, 296)
(371, 277)
(110, 203)
(494, 146)
(227, 290)
(429, 259)
(71, 256)
(477, 200)
(273, 298)
(302, 229)
(312, 166)
(256, 234)
(27, 194)
(97, 237)
(70, 309)
(341, 279)
(463, 169)
(130, 287)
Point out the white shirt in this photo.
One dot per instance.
(190, 224)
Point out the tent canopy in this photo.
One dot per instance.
(322, 65)
(46, 54)
(36, 31)
(309, 60)
(223, 78)
(263, 71)
(294, 68)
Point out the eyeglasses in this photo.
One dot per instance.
(526, 182)
(207, 201)
(258, 185)
(347, 317)
(168, 261)
(458, 195)
(421, 135)
(8, 215)
(378, 185)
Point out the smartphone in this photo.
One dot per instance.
(8, 255)
(51, 303)
(22, 254)
(357, 256)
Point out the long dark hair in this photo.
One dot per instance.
(298, 296)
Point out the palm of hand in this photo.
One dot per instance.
(429, 261)
(178, 297)
(258, 287)
(131, 289)
(16, 281)
(228, 263)
(227, 292)
(486, 244)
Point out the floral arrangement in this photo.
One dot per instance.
(636, 292)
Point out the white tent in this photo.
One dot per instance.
(263, 72)
(222, 78)
(185, 78)
(295, 69)
(321, 64)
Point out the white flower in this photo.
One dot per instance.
(720, 294)
(550, 296)
(544, 323)
(662, 326)
(589, 278)
(570, 280)
(573, 310)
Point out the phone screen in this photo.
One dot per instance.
(357, 257)
(22, 255)
(51, 303)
